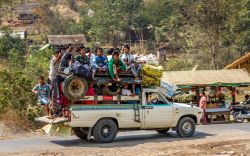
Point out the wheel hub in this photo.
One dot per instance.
(187, 127)
(106, 131)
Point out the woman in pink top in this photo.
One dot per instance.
(203, 106)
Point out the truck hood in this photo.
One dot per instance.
(184, 105)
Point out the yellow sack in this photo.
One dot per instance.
(149, 81)
(154, 71)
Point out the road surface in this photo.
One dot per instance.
(209, 139)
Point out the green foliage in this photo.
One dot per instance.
(208, 31)
(9, 43)
(19, 77)
(38, 62)
(178, 64)
(110, 19)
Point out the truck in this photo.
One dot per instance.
(148, 111)
(111, 112)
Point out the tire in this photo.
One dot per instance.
(236, 119)
(163, 131)
(81, 133)
(185, 127)
(75, 87)
(105, 131)
(110, 90)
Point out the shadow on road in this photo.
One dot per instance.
(130, 140)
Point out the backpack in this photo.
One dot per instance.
(81, 70)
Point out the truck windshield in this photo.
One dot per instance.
(154, 98)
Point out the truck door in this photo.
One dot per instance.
(158, 113)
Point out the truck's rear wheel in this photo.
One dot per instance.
(163, 131)
(185, 127)
(105, 131)
(81, 132)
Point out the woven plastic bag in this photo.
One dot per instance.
(154, 71)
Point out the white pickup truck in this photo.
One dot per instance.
(151, 111)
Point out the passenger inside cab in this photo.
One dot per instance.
(154, 98)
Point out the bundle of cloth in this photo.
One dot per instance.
(152, 75)
(149, 59)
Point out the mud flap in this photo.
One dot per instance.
(57, 130)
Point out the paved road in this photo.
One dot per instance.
(124, 139)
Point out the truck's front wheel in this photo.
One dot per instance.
(105, 131)
(81, 133)
(185, 127)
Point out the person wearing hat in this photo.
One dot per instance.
(115, 65)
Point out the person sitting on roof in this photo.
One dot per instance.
(100, 62)
(81, 65)
(110, 52)
(115, 66)
(66, 58)
(129, 60)
(82, 58)
(90, 55)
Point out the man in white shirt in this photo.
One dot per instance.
(54, 64)
(91, 56)
(129, 60)
(110, 52)
(53, 74)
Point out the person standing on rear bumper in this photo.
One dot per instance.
(42, 90)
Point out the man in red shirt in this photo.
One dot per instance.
(203, 106)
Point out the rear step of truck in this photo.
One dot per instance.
(56, 120)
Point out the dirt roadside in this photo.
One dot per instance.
(217, 145)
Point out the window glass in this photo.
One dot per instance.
(154, 98)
